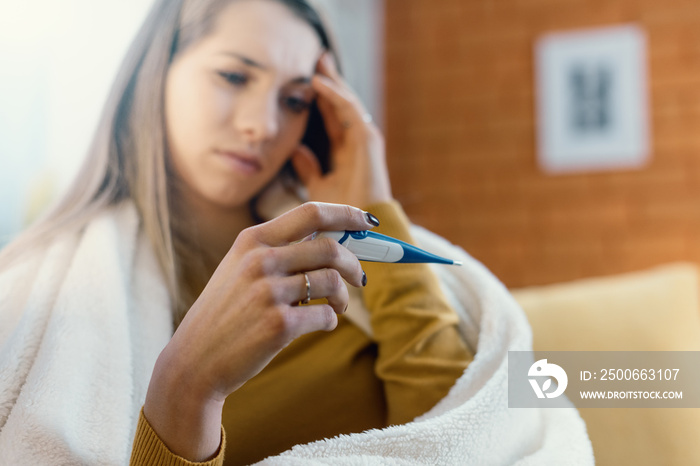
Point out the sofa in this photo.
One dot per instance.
(651, 310)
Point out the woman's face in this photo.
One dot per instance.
(237, 100)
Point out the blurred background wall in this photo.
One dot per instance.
(57, 63)
(460, 129)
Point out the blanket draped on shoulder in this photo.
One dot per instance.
(84, 318)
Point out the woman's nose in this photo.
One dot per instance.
(257, 117)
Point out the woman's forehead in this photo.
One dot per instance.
(267, 32)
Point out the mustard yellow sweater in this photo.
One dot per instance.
(324, 384)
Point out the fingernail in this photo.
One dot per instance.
(346, 309)
(364, 278)
(371, 219)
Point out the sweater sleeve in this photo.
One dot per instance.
(149, 450)
(420, 350)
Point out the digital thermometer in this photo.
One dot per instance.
(375, 247)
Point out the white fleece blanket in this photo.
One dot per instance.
(83, 321)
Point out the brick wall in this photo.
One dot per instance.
(461, 138)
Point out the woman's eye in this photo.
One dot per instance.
(237, 79)
(296, 105)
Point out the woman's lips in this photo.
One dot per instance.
(246, 163)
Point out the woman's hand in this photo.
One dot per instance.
(358, 175)
(246, 314)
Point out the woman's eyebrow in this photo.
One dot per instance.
(250, 62)
(246, 60)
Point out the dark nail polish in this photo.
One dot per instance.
(364, 278)
(371, 219)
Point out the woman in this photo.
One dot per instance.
(207, 116)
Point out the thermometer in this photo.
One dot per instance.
(375, 247)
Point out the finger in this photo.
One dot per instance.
(345, 105)
(317, 254)
(307, 319)
(306, 165)
(328, 66)
(338, 94)
(324, 283)
(306, 219)
(331, 121)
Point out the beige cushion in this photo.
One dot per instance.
(652, 310)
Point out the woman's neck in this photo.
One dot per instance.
(213, 228)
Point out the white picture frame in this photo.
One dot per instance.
(592, 100)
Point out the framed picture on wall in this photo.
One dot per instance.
(592, 100)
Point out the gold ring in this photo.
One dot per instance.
(308, 289)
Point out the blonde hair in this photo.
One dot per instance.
(128, 158)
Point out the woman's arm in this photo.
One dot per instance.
(149, 450)
(246, 314)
